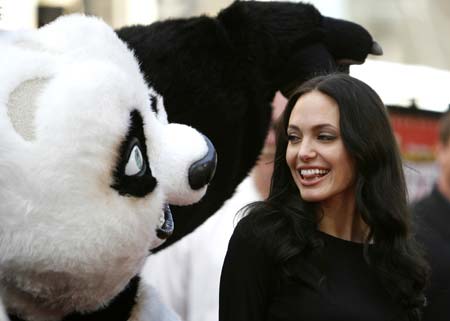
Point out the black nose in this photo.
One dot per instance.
(202, 171)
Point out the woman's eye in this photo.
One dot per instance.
(293, 138)
(326, 137)
(135, 164)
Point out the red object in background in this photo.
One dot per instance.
(417, 132)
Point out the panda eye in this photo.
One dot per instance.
(135, 164)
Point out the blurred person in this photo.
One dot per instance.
(433, 230)
(332, 241)
(187, 274)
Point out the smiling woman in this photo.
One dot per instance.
(320, 165)
(332, 241)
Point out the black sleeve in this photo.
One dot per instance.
(246, 280)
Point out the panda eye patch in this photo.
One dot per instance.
(135, 165)
(154, 103)
(132, 175)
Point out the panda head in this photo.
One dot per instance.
(88, 166)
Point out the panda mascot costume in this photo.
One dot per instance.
(109, 139)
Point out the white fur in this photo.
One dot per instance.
(177, 155)
(149, 306)
(68, 241)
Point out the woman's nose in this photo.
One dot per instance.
(306, 152)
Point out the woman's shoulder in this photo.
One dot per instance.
(245, 229)
(259, 229)
(249, 242)
(257, 220)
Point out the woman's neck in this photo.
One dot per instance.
(339, 218)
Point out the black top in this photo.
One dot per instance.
(253, 288)
(432, 216)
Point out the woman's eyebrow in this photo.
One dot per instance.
(318, 126)
(325, 126)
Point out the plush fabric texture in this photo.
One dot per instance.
(89, 156)
(118, 309)
(69, 241)
(138, 301)
(220, 74)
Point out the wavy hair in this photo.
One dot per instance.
(381, 196)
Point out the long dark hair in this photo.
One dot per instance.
(381, 196)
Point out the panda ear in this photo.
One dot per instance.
(22, 106)
(26, 69)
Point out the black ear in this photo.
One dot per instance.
(348, 41)
(303, 64)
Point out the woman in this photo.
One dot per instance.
(332, 241)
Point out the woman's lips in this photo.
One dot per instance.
(312, 176)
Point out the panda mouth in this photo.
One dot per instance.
(166, 224)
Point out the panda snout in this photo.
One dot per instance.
(202, 171)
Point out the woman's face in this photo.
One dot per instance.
(319, 163)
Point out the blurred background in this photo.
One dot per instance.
(412, 77)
